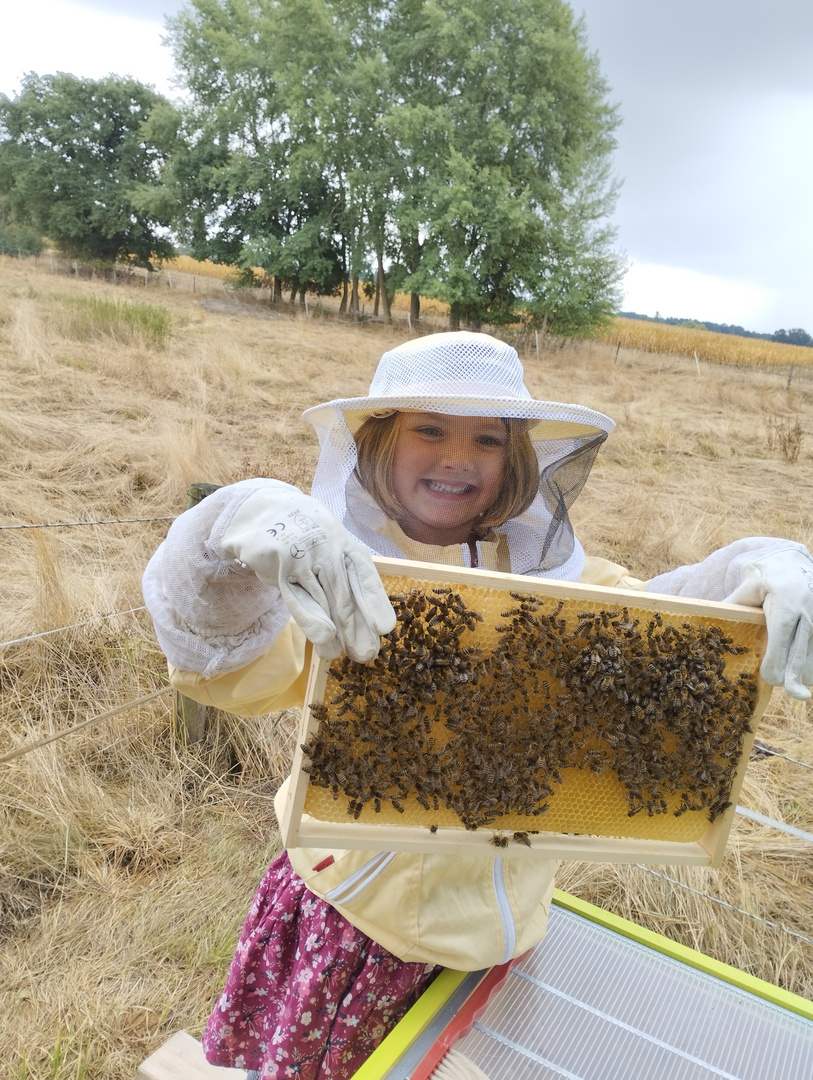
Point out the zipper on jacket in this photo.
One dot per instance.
(506, 915)
(366, 874)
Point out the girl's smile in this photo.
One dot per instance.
(446, 473)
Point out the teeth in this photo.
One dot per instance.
(448, 489)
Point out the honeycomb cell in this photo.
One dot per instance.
(516, 711)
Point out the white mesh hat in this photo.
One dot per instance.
(465, 374)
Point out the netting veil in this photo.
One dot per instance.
(465, 374)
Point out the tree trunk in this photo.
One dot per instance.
(381, 288)
(294, 291)
(377, 294)
(414, 307)
(302, 296)
(343, 304)
(277, 298)
(454, 317)
(354, 298)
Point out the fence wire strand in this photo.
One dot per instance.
(72, 524)
(775, 753)
(28, 747)
(71, 626)
(725, 904)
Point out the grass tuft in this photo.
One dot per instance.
(128, 323)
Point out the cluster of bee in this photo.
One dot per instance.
(651, 704)
(437, 720)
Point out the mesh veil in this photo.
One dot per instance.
(466, 374)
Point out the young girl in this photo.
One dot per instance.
(448, 460)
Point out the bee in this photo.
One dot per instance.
(499, 841)
(521, 838)
(433, 829)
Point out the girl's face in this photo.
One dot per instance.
(446, 472)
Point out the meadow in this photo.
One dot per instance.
(127, 857)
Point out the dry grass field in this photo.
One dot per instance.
(127, 859)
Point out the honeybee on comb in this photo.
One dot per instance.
(437, 721)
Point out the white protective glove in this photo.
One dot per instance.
(326, 577)
(782, 583)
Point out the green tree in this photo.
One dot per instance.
(253, 176)
(797, 336)
(81, 162)
(515, 176)
(17, 239)
(456, 152)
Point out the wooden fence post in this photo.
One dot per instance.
(192, 718)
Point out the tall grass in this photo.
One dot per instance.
(127, 859)
(125, 322)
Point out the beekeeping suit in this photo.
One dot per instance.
(258, 574)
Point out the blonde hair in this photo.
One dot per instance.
(375, 449)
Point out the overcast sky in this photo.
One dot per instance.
(715, 151)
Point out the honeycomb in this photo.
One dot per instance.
(522, 713)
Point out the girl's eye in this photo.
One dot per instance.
(491, 440)
(434, 432)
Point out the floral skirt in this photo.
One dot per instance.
(307, 995)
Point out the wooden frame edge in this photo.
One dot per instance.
(707, 850)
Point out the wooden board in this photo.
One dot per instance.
(526, 716)
(181, 1058)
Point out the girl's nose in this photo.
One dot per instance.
(458, 456)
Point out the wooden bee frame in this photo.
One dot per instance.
(637, 713)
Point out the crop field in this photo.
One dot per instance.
(127, 856)
(714, 348)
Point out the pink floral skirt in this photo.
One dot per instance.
(307, 995)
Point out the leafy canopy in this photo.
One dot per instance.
(463, 146)
(81, 162)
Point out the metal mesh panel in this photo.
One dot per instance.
(589, 1004)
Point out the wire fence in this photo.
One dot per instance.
(70, 626)
(74, 524)
(724, 903)
(135, 703)
(71, 525)
(27, 748)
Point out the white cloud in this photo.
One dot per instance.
(651, 289)
(47, 36)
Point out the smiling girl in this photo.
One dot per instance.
(448, 460)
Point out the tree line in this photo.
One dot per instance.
(344, 147)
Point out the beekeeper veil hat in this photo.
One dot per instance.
(465, 374)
